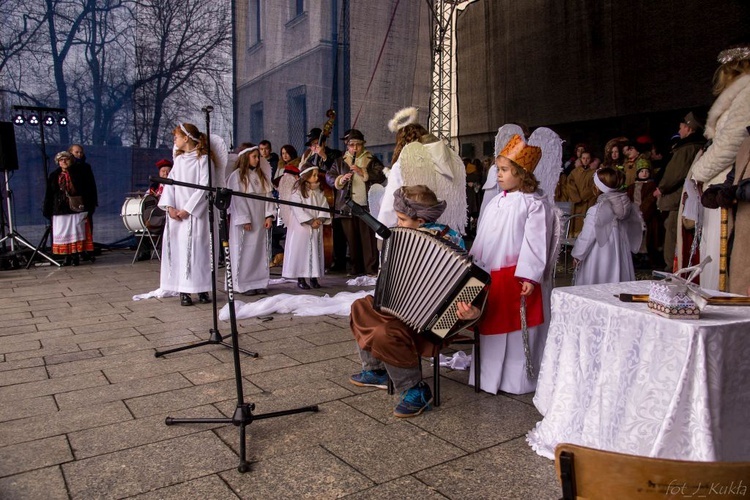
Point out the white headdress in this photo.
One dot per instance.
(402, 118)
(184, 131)
(246, 150)
(311, 167)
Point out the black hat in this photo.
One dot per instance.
(353, 135)
(314, 135)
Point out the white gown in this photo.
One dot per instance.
(515, 229)
(185, 261)
(303, 253)
(249, 249)
(611, 262)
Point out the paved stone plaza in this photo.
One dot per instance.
(84, 401)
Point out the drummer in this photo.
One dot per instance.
(165, 166)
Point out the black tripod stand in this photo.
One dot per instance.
(215, 336)
(14, 236)
(243, 414)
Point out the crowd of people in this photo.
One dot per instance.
(629, 202)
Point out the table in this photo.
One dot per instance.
(617, 377)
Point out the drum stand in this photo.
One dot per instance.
(14, 236)
(243, 413)
(154, 244)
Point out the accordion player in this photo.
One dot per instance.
(421, 279)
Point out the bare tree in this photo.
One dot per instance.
(104, 37)
(179, 44)
(64, 19)
(20, 41)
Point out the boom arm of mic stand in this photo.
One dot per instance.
(377, 226)
(165, 180)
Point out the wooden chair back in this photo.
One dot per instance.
(586, 473)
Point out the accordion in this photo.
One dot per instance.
(422, 276)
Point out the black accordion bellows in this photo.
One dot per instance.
(422, 276)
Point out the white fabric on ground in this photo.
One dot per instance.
(299, 305)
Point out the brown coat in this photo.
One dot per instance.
(739, 260)
(581, 193)
(388, 338)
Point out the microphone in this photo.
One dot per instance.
(381, 229)
(207, 109)
(160, 180)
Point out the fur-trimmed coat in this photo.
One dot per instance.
(726, 125)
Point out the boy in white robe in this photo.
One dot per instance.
(515, 243)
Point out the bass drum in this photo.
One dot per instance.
(141, 213)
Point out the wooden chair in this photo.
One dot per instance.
(586, 473)
(459, 339)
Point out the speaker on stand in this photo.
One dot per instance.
(8, 163)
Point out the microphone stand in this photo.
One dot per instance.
(215, 336)
(243, 413)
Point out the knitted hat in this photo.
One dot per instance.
(164, 163)
(521, 153)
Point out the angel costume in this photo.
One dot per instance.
(249, 249)
(428, 161)
(185, 260)
(547, 171)
(612, 232)
(515, 241)
(303, 254)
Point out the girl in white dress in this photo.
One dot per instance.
(303, 253)
(186, 261)
(612, 233)
(250, 221)
(515, 244)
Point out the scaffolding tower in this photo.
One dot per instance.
(443, 121)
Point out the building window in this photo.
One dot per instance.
(296, 100)
(256, 122)
(297, 8)
(253, 23)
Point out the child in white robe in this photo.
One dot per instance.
(186, 262)
(250, 221)
(515, 244)
(303, 253)
(612, 233)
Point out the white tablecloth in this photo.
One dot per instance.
(618, 377)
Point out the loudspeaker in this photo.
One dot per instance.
(8, 154)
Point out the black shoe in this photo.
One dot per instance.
(250, 293)
(302, 284)
(76, 260)
(261, 291)
(314, 283)
(203, 298)
(68, 260)
(186, 299)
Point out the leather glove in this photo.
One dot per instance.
(726, 197)
(708, 199)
